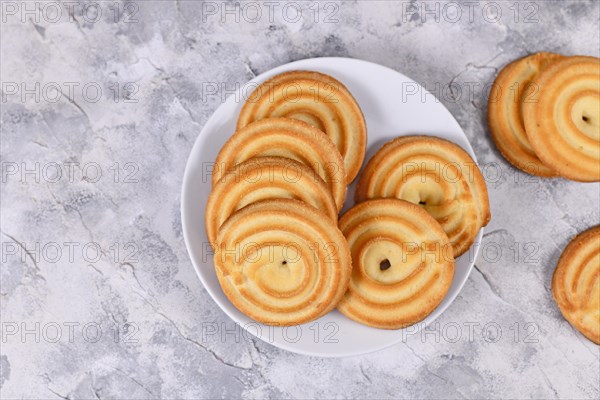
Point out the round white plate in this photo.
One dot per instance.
(393, 105)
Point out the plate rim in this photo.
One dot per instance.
(183, 203)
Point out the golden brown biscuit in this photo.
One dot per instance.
(563, 125)
(282, 262)
(263, 178)
(289, 138)
(319, 100)
(436, 174)
(511, 88)
(576, 283)
(402, 260)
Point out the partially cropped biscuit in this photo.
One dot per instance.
(563, 124)
(319, 100)
(576, 283)
(512, 88)
(282, 262)
(289, 138)
(436, 174)
(264, 178)
(402, 260)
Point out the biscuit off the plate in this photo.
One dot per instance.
(289, 138)
(318, 99)
(563, 126)
(436, 174)
(282, 262)
(512, 87)
(402, 263)
(263, 178)
(576, 283)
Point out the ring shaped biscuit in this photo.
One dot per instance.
(563, 125)
(318, 99)
(436, 174)
(576, 283)
(263, 178)
(512, 87)
(289, 138)
(402, 260)
(282, 262)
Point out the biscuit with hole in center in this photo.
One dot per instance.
(563, 125)
(282, 262)
(319, 100)
(436, 174)
(402, 263)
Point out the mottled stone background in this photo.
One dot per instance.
(95, 153)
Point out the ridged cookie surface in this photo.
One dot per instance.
(563, 125)
(402, 260)
(263, 178)
(576, 283)
(282, 262)
(436, 174)
(317, 99)
(512, 87)
(289, 138)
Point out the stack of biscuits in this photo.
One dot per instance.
(420, 202)
(281, 254)
(279, 183)
(544, 115)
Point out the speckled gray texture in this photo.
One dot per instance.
(121, 161)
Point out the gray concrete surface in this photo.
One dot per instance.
(104, 303)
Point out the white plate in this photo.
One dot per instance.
(393, 105)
